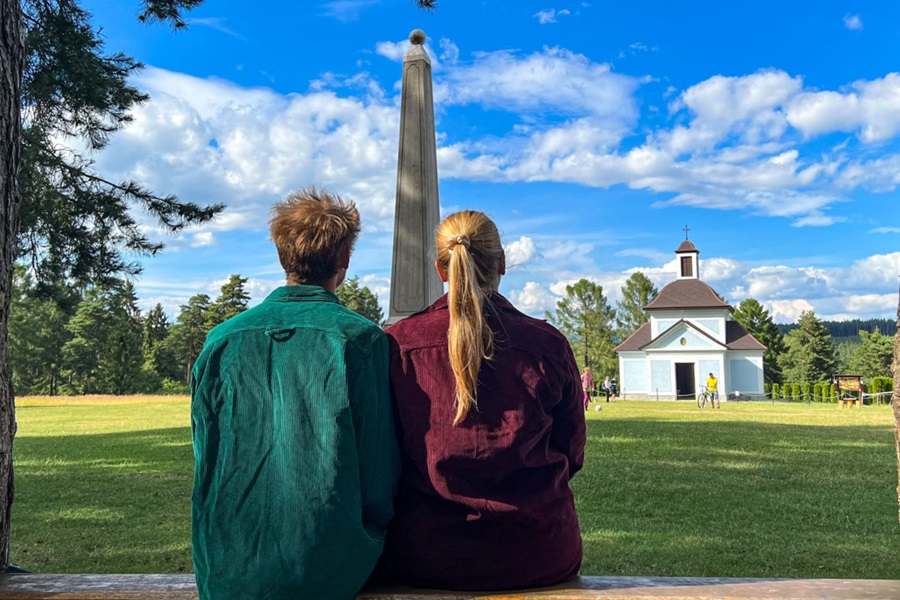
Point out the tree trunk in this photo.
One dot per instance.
(12, 53)
(895, 399)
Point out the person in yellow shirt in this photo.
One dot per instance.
(712, 388)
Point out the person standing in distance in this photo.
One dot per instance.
(606, 387)
(296, 454)
(712, 388)
(587, 384)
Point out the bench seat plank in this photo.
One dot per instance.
(182, 587)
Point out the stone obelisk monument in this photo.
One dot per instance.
(414, 281)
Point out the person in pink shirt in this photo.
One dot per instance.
(491, 426)
(587, 384)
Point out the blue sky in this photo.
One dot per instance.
(592, 132)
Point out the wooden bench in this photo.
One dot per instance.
(182, 587)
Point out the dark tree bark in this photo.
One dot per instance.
(12, 55)
(895, 399)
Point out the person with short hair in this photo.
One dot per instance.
(606, 387)
(295, 449)
(712, 390)
(491, 422)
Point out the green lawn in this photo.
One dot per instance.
(751, 490)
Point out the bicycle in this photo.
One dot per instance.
(702, 398)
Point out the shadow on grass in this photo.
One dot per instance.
(103, 503)
(738, 499)
(656, 498)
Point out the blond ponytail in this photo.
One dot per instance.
(469, 251)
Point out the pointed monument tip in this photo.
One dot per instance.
(417, 37)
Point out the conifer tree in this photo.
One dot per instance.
(360, 299)
(160, 362)
(156, 330)
(809, 354)
(757, 321)
(231, 301)
(75, 224)
(91, 330)
(104, 355)
(637, 293)
(586, 319)
(872, 356)
(37, 334)
(122, 365)
(189, 334)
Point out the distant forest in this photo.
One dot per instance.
(851, 329)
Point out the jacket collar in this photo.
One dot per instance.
(499, 302)
(301, 293)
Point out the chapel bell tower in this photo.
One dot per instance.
(688, 258)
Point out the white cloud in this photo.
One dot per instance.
(216, 23)
(380, 286)
(547, 16)
(449, 51)
(346, 10)
(734, 144)
(719, 269)
(869, 108)
(533, 299)
(877, 271)
(885, 230)
(743, 106)
(260, 288)
(568, 254)
(853, 22)
(392, 50)
(787, 311)
(863, 289)
(868, 303)
(555, 80)
(208, 140)
(520, 251)
(814, 113)
(816, 219)
(203, 238)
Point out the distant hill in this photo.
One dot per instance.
(851, 329)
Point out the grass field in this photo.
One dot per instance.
(751, 490)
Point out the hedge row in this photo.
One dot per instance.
(822, 392)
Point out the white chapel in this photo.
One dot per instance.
(690, 334)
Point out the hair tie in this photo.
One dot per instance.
(459, 240)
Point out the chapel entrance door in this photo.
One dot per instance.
(684, 381)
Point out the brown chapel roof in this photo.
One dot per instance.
(736, 338)
(636, 340)
(687, 246)
(687, 293)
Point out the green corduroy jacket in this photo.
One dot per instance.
(296, 456)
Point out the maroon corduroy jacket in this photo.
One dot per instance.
(486, 504)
